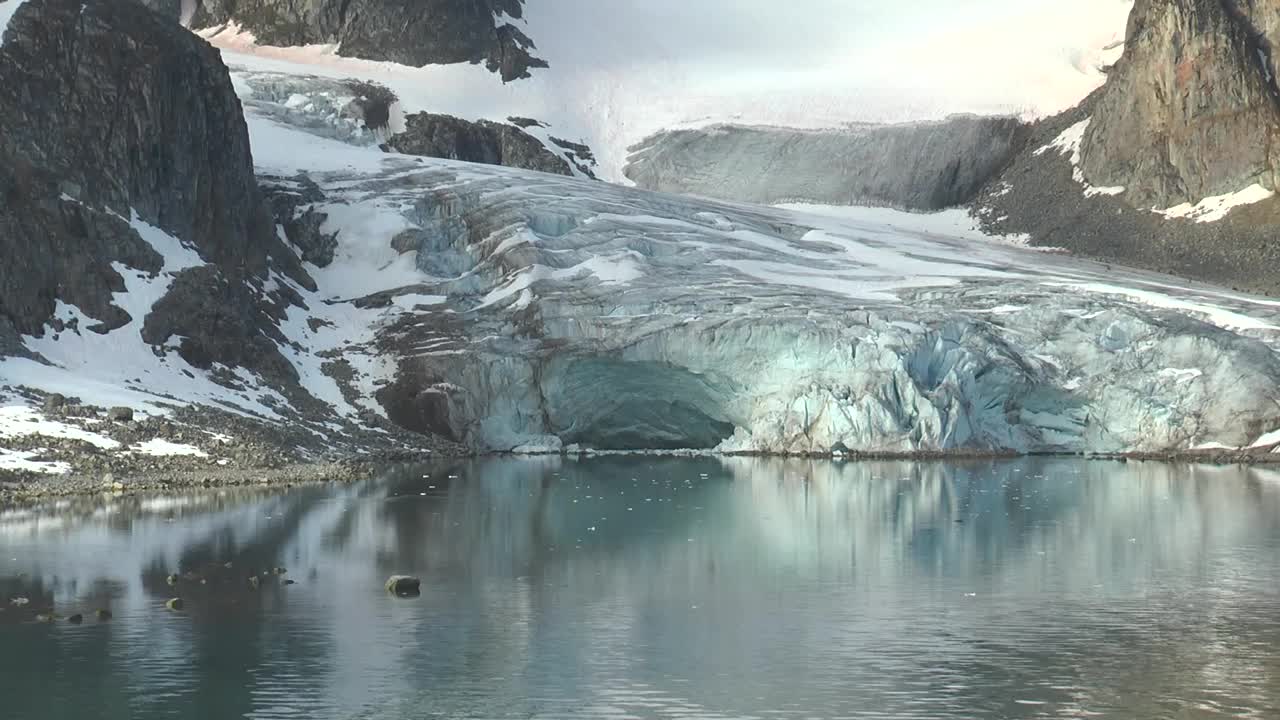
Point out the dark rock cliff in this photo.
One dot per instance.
(108, 111)
(918, 166)
(416, 33)
(484, 141)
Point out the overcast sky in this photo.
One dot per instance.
(1014, 52)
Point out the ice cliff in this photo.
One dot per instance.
(525, 311)
(917, 166)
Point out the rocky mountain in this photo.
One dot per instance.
(115, 122)
(1170, 165)
(412, 33)
(195, 240)
(919, 166)
(137, 239)
(1192, 109)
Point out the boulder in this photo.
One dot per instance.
(403, 585)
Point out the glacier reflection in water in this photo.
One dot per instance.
(662, 587)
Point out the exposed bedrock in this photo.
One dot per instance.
(483, 141)
(1192, 109)
(413, 33)
(917, 166)
(116, 124)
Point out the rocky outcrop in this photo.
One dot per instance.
(919, 166)
(1038, 196)
(1191, 110)
(115, 121)
(413, 33)
(108, 111)
(483, 141)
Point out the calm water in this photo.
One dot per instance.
(662, 588)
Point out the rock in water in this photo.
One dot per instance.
(175, 604)
(403, 585)
(76, 619)
(172, 579)
(102, 615)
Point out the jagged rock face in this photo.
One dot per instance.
(1191, 110)
(106, 106)
(920, 166)
(484, 141)
(117, 122)
(413, 33)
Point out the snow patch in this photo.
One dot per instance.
(20, 421)
(1213, 209)
(1216, 315)
(1069, 143)
(1267, 439)
(118, 368)
(23, 461)
(1180, 375)
(159, 447)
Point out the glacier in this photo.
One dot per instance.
(515, 311)
(518, 311)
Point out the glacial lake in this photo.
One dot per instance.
(646, 587)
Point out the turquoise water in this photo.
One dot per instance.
(660, 588)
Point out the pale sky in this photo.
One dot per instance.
(1022, 54)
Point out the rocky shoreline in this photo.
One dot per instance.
(358, 468)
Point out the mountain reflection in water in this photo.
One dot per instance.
(634, 586)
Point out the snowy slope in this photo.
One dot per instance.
(621, 71)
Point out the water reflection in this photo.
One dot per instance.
(659, 587)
